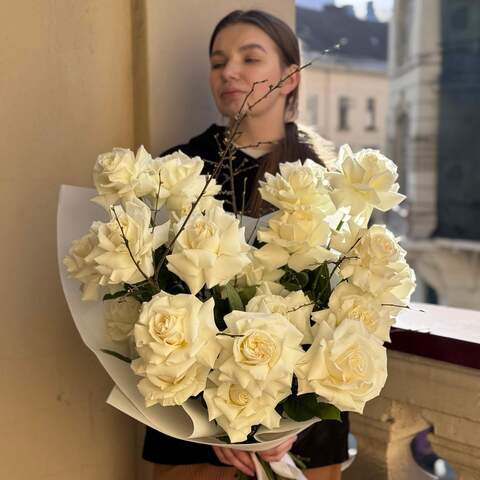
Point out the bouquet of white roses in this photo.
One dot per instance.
(252, 339)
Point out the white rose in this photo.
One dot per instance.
(374, 261)
(111, 256)
(271, 288)
(297, 186)
(176, 338)
(80, 268)
(236, 411)
(366, 180)
(210, 250)
(302, 234)
(120, 316)
(346, 366)
(181, 182)
(259, 352)
(344, 239)
(165, 387)
(120, 175)
(263, 267)
(348, 302)
(296, 307)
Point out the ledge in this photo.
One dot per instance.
(441, 333)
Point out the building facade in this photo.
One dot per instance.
(344, 93)
(434, 73)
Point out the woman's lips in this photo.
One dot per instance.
(231, 93)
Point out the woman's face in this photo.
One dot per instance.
(243, 54)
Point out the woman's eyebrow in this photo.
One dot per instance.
(248, 46)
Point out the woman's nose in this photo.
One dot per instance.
(230, 70)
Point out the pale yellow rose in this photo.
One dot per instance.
(120, 316)
(119, 175)
(297, 186)
(366, 180)
(348, 302)
(82, 269)
(111, 256)
(302, 234)
(374, 262)
(164, 386)
(175, 337)
(296, 307)
(210, 250)
(346, 366)
(344, 239)
(236, 411)
(181, 182)
(259, 352)
(263, 267)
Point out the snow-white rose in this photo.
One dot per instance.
(120, 316)
(346, 366)
(296, 307)
(236, 411)
(366, 180)
(111, 256)
(297, 186)
(175, 337)
(259, 352)
(350, 302)
(210, 250)
(121, 175)
(302, 234)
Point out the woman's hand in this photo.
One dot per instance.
(237, 458)
(242, 461)
(275, 454)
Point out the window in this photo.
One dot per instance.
(370, 125)
(343, 107)
(312, 111)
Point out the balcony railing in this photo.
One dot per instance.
(434, 381)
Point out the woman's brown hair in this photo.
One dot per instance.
(293, 146)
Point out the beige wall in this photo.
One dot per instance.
(74, 82)
(330, 82)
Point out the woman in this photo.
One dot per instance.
(248, 47)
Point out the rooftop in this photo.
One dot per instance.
(322, 29)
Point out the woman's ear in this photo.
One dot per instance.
(291, 83)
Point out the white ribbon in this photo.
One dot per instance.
(285, 468)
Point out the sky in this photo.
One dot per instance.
(383, 8)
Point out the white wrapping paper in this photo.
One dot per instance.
(187, 422)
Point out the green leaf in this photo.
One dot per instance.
(229, 293)
(221, 309)
(321, 288)
(116, 355)
(304, 407)
(247, 293)
(112, 296)
(293, 280)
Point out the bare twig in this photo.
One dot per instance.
(301, 306)
(225, 152)
(125, 240)
(156, 200)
